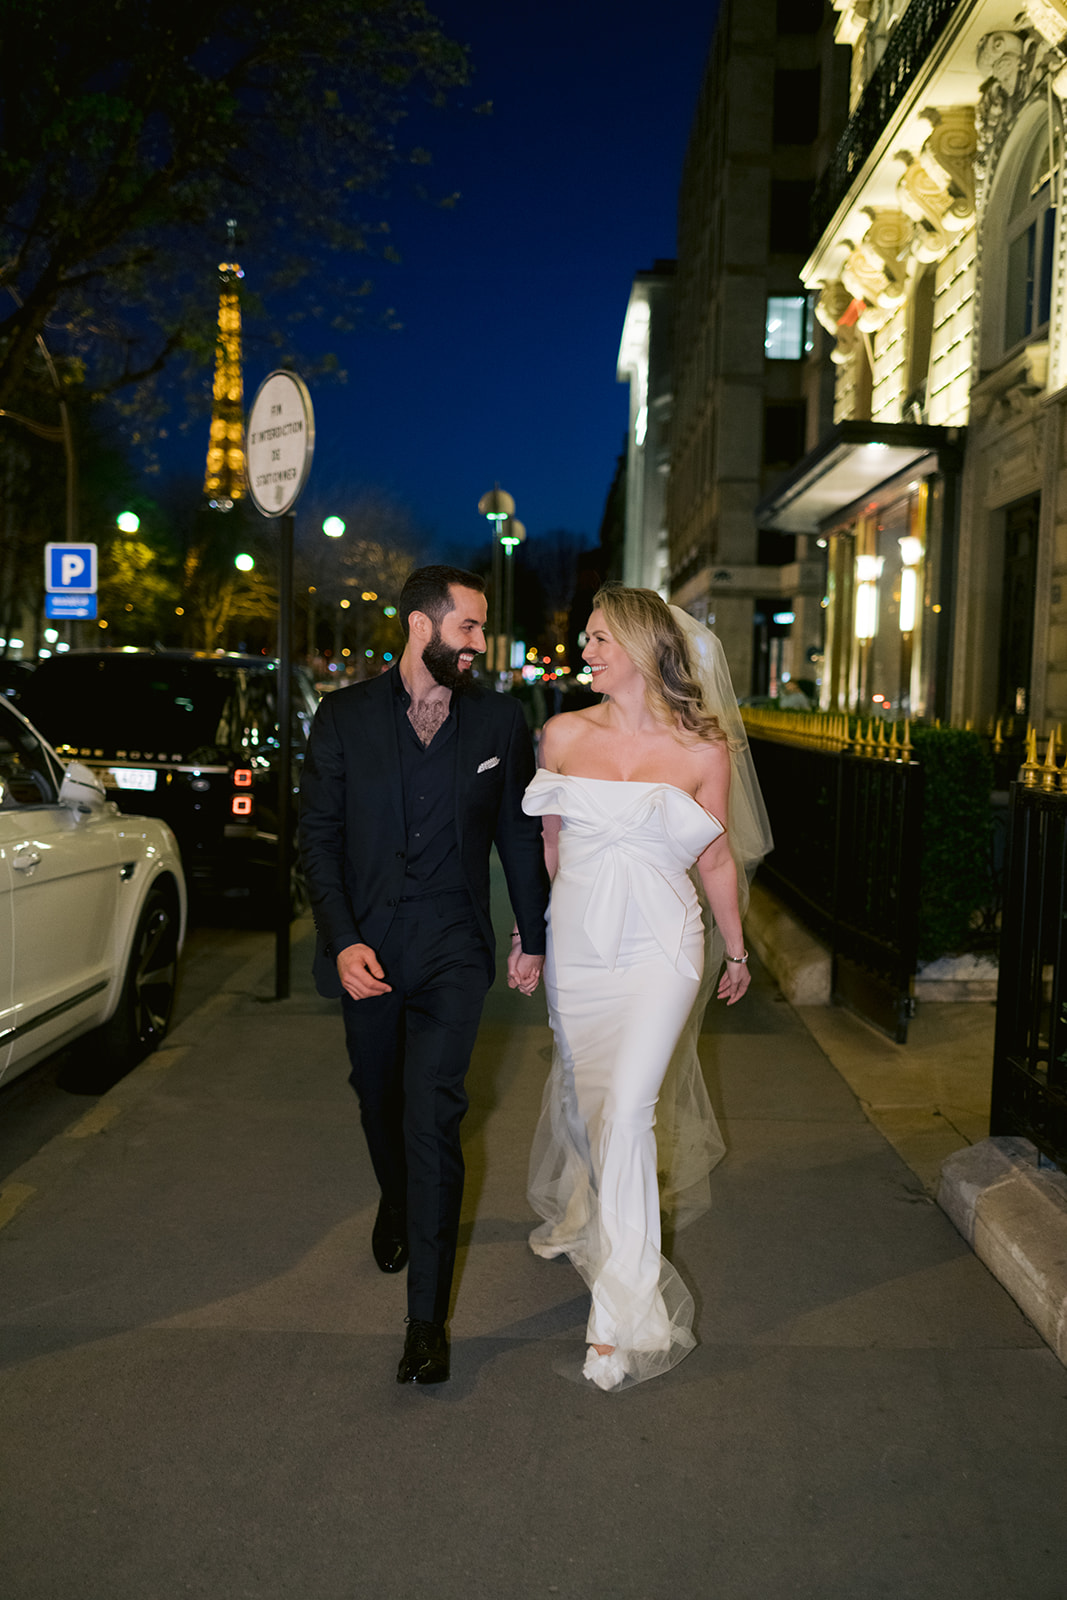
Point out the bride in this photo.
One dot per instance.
(635, 792)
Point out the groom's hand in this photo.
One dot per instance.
(524, 971)
(360, 972)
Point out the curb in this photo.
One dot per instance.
(1013, 1214)
(796, 960)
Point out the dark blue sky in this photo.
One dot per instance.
(512, 304)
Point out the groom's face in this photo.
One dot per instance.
(457, 639)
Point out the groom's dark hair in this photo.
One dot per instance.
(428, 589)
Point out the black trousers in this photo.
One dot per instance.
(410, 1050)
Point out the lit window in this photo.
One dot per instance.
(788, 331)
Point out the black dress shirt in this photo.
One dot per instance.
(428, 779)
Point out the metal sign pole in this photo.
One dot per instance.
(285, 756)
(280, 442)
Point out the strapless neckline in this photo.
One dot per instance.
(635, 783)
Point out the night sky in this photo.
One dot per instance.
(512, 304)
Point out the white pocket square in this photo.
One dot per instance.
(494, 761)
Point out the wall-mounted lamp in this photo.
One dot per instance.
(868, 571)
(911, 553)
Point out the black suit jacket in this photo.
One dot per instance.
(352, 828)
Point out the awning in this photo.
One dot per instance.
(850, 465)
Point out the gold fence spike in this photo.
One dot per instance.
(905, 748)
(998, 737)
(1029, 770)
(1049, 771)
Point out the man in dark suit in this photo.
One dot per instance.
(409, 780)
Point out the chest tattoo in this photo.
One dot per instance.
(426, 717)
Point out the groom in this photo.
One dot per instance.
(410, 778)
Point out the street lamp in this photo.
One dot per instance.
(127, 522)
(243, 563)
(496, 507)
(513, 532)
(333, 527)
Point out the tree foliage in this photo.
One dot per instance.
(133, 128)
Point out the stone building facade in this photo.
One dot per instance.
(750, 394)
(940, 492)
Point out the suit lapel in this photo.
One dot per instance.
(384, 735)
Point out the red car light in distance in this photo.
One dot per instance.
(242, 778)
(241, 805)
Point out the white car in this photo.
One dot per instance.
(92, 911)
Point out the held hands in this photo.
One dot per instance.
(360, 972)
(734, 982)
(524, 971)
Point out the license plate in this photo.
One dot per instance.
(134, 777)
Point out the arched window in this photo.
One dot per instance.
(1030, 245)
(1018, 246)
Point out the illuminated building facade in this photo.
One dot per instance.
(646, 364)
(940, 492)
(225, 477)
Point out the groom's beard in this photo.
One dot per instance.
(442, 663)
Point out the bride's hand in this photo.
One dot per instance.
(734, 981)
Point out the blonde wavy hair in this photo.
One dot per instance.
(643, 625)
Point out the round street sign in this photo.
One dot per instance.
(280, 443)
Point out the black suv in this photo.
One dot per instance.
(189, 737)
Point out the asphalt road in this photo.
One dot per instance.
(56, 1092)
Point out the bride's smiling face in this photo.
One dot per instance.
(606, 659)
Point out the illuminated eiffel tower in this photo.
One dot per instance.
(225, 478)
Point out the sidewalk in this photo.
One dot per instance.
(198, 1396)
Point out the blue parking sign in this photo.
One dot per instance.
(70, 568)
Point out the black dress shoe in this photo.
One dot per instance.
(425, 1358)
(389, 1238)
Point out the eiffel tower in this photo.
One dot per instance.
(225, 478)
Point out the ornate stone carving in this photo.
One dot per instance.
(1014, 389)
(1000, 56)
(1013, 465)
(1048, 18)
(1017, 64)
(927, 202)
(833, 303)
(852, 20)
(879, 264)
(948, 156)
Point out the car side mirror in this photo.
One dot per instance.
(81, 790)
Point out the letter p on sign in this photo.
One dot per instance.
(70, 568)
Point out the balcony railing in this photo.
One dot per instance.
(910, 43)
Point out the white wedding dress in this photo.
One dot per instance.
(625, 1107)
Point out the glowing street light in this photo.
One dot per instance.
(128, 522)
(243, 563)
(333, 527)
(496, 507)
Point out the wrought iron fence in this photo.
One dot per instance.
(846, 855)
(1029, 1094)
(910, 43)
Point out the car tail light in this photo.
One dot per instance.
(241, 805)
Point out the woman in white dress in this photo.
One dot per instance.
(635, 792)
